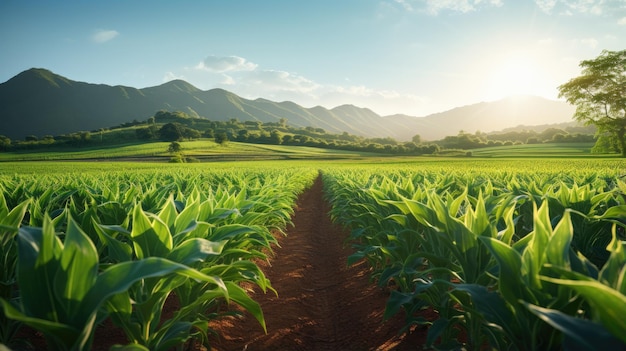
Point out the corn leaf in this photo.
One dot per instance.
(239, 296)
(38, 253)
(195, 250)
(608, 305)
(78, 269)
(148, 240)
(580, 334)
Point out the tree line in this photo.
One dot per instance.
(178, 126)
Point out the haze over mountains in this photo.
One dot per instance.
(39, 102)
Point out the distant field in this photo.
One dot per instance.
(539, 150)
(370, 164)
(202, 149)
(205, 150)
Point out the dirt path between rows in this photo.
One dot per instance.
(322, 303)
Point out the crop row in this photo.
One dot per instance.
(507, 260)
(80, 248)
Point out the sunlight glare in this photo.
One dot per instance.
(515, 74)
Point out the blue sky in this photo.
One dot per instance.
(394, 56)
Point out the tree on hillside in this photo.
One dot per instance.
(599, 95)
(171, 132)
(174, 147)
(276, 137)
(146, 133)
(5, 142)
(221, 138)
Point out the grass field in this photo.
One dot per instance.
(204, 150)
(540, 150)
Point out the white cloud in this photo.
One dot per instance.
(172, 76)
(102, 35)
(280, 81)
(405, 4)
(591, 43)
(434, 7)
(546, 5)
(383, 102)
(221, 64)
(228, 80)
(569, 7)
(622, 21)
(248, 80)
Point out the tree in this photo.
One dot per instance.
(599, 94)
(174, 147)
(5, 142)
(243, 135)
(276, 137)
(171, 132)
(144, 133)
(416, 139)
(191, 133)
(221, 138)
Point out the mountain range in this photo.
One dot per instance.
(39, 102)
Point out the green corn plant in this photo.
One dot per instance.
(181, 238)
(62, 290)
(452, 250)
(606, 297)
(520, 267)
(591, 236)
(579, 333)
(10, 222)
(141, 320)
(513, 221)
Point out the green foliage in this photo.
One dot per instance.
(598, 94)
(10, 221)
(510, 257)
(66, 274)
(171, 132)
(174, 147)
(221, 138)
(120, 244)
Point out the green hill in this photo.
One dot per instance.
(39, 102)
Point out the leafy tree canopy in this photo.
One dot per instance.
(171, 132)
(599, 94)
(174, 147)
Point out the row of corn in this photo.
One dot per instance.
(507, 260)
(79, 248)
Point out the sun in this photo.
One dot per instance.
(514, 74)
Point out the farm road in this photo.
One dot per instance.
(322, 303)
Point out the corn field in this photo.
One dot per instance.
(509, 260)
(510, 255)
(79, 248)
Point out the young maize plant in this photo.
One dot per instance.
(10, 221)
(510, 259)
(121, 244)
(67, 275)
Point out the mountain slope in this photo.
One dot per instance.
(39, 102)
